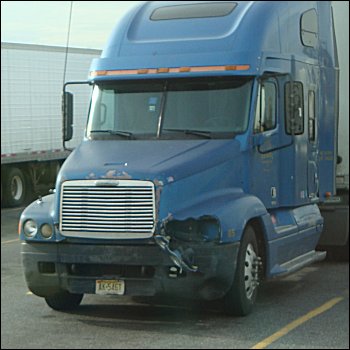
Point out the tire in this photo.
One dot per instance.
(64, 301)
(338, 254)
(15, 187)
(240, 298)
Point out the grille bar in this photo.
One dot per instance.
(70, 213)
(118, 209)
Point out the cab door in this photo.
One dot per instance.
(265, 157)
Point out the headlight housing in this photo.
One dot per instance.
(30, 228)
(204, 229)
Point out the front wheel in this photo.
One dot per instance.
(64, 301)
(240, 298)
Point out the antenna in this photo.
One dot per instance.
(64, 78)
(67, 44)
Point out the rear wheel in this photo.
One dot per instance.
(64, 301)
(339, 254)
(240, 299)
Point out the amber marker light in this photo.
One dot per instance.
(161, 70)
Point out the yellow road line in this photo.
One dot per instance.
(11, 241)
(298, 322)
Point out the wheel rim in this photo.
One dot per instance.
(16, 187)
(250, 271)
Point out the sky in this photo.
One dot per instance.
(46, 22)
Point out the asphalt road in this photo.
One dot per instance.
(306, 310)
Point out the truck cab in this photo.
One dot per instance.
(209, 142)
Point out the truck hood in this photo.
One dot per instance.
(165, 161)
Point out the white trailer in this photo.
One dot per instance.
(31, 123)
(341, 19)
(335, 237)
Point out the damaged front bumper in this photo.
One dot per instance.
(181, 259)
(206, 269)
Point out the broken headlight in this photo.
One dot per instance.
(204, 229)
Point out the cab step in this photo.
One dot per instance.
(297, 263)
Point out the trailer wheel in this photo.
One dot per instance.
(240, 298)
(338, 253)
(15, 187)
(64, 301)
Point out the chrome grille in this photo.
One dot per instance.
(107, 209)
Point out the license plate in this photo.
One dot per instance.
(105, 287)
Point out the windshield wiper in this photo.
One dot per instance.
(205, 134)
(125, 134)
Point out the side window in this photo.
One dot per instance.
(265, 118)
(294, 108)
(309, 28)
(312, 116)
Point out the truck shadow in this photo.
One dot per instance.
(151, 314)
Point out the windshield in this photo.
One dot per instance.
(170, 109)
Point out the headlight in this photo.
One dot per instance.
(46, 231)
(30, 228)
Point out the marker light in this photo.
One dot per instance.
(197, 69)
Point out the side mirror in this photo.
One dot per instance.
(67, 111)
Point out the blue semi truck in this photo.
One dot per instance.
(211, 139)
